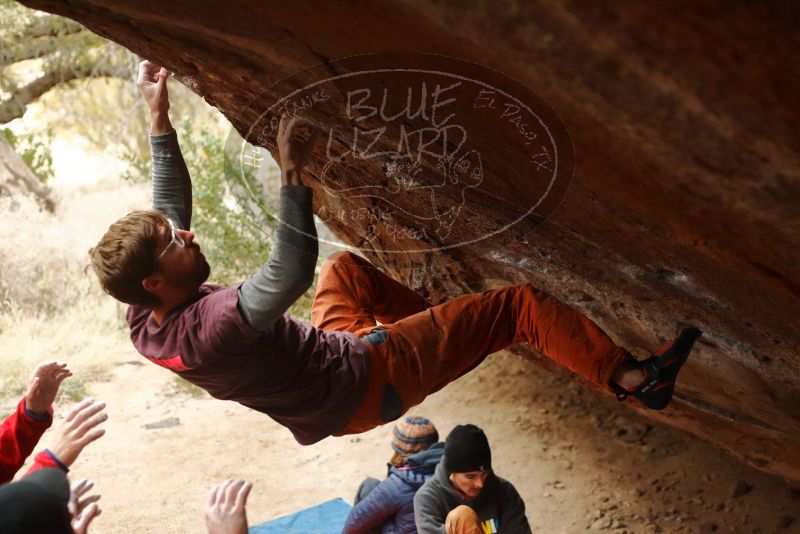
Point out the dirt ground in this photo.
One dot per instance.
(578, 460)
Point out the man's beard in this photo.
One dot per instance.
(203, 273)
(193, 280)
(203, 270)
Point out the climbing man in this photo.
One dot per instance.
(342, 374)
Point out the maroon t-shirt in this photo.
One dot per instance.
(310, 381)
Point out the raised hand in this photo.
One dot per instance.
(225, 507)
(152, 82)
(44, 385)
(296, 140)
(82, 509)
(78, 429)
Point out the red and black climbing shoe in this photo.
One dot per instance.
(662, 368)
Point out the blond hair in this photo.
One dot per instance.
(397, 459)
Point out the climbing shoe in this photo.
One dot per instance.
(661, 369)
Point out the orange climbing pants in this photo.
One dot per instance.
(427, 347)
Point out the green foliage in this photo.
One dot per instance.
(34, 150)
(237, 242)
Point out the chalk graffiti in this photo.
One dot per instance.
(416, 145)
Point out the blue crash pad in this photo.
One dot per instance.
(325, 518)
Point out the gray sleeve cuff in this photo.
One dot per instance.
(164, 138)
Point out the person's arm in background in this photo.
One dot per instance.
(289, 271)
(82, 508)
(374, 510)
(172, 185)
(21, 431)
(512, 513)
(429, 518)
(226, 507)
(19, 434)
(78, 429)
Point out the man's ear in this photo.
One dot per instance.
(152, 283)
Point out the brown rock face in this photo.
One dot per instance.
(683, 122)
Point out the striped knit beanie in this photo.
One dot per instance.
(413, 434)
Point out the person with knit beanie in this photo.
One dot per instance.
(410, 436)
(464, 496)
(388, 506)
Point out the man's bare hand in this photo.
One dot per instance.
(78, 429)
(82, 509)
(44, 385)
(152, 82)
(225, 507)
(296, 140)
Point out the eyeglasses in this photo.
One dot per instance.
(175, 240)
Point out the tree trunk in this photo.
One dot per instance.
(17, 179)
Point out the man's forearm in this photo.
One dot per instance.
(290, 269)
(172, 185)
(291, 177)
(159, 123)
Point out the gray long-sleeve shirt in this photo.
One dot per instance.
(288, 272)
(498, 506)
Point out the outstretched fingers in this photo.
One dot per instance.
(229, 494)
(81, 487)
(231, 491)
(84, 419)
(80, 524)
(89, 416)
(51, 370)
(242, 494)
(86, 501)
(225, 507)
(47, 367)
(61, 372)
(78, 408)
(94, 435)
(211, 497)
(77, 499)
(83, 509)
(218, 492)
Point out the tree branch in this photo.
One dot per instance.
(16, 177)
(15, 106)
(49, 26)
(36, 47)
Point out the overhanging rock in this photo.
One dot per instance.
(684, 202)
